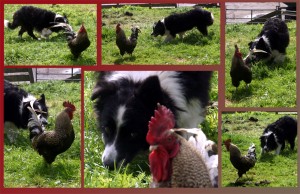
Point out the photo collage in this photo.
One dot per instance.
(133, 97)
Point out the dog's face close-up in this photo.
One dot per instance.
(268, 142)
(59, 19)
(158, 29)
(124, 111)
(259, 50)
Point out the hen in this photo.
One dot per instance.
(51, 143)
(174, 162)
(239, 71)
(126, 45)
(241, 163)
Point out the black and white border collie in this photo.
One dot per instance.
(16, 113)
(275, 135)
(179, 23)
(125, 102)
(271, 43)
(33, 18)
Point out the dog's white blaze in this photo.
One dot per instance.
(136, 76)
(29, 98)
(110, 150)
(212, 16)
(119, 118)
(6, 23)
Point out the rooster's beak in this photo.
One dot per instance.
(153, 147)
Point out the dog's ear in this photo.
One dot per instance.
(150, 92)
(104, 88)
(43, 99)
(250, 44)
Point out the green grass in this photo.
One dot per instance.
(270, 82)
(137, 173)
(23, 167)
(194, 49)
(280, 170)
(52, 51)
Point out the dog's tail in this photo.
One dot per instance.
(9, 25)
(6, 23)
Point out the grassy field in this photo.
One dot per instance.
(52, 51)
(270, 82)
(270, 170)
(137, 173)
(194, 49)
(23, 167)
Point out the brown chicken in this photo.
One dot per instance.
(77, 42)
(51, 143)
(126, 45)
(174, 162)
(241, 163)
(239, 71)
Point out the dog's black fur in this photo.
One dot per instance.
(275, 135)
(16, 101)
(33, 18)
(127, 100)
(181, 22)
(273, 40)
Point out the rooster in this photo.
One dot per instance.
(51, 143)
(126, 45)
(174, 162)
(241, 163)
(239, 71)
(77, 42)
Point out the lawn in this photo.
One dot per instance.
(137, 173)
(193, 49)
(23, 167)
(52, 51)
(273, 85)
(270, 170)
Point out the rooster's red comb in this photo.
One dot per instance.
(68, 104)
(227, 143)
(163, 120)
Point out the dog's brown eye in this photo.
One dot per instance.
(133, 135)
(106, 130)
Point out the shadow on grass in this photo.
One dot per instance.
(21, 140)
(121, 60)
(56, 169)
(56, 37)
(270, 156)
(245, 181)
(241, 93)
(194, 38)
